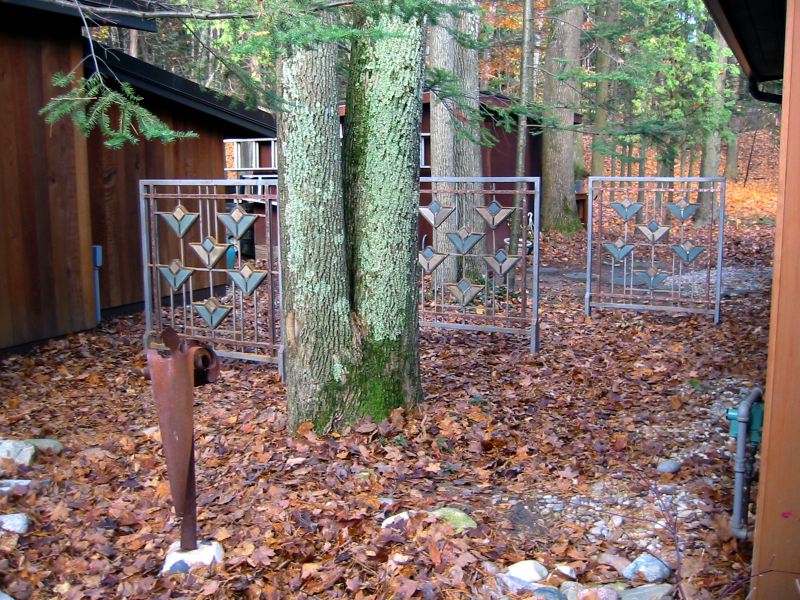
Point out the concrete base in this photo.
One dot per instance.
(177, 561)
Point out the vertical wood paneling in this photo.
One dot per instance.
(776, 562)
(115, 203)
(46, 263)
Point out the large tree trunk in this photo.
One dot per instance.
(526, 86)
(317, 332)
(384, 112)
(560, 98)
(709, 165)
(350, 295)
(442, 54)
(467, 157)
(732, 158)
(603, 68)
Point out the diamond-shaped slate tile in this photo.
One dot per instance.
(626, 209)
(212, 311)
(653, 232)
(210, 251)
(494, 214)
(175, 274)
(179, 220)
(435, 213)
(501, 263)
(687, 251)
(238, 221)
(651, 278)
(464, 240)
(464, 291)
(682, 210)
(247, 278)
(429, 259)
(619, 249)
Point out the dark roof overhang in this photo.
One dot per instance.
(148, 78)
(130, 22)
(755, 31)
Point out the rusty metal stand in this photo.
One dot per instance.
(173, 375)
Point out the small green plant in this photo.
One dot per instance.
(401, 441)
(90, 103)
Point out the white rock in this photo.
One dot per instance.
(7, 485)
(571, 589)
(21, 453)
(48, 444)
(567, 571)
(616, 520)
(528, 570)
(647, 567)
(403, 516)
(178, 561)
(5, 596)
(669, 466)
(648, 592)
(15, 522)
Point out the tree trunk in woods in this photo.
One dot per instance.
(560, 98)
(732, 159)
(442, 54)
(709, 164)
(603, 68)
(382, 199)
(318, 333)
(350, 295)
(526, 85)
(467, 158)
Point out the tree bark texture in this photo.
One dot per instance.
(709, 164)
(603, 68)
(526, 86)
(317, 330)
(442, 54)
(467, 156)
(732, 158)
(384, 112)
(560, 98)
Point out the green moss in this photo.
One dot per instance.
(373, 387)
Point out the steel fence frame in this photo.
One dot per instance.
(664, 186)
(205, 192)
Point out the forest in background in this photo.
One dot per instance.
(649, 79)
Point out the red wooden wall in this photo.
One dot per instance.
(45, 249)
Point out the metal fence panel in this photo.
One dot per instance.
(204, 272)
(646, 250)
(494, 289)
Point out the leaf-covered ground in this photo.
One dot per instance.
(553, 456)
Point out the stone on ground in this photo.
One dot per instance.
(21, 453)
(178, 561)
(46, 444)
(567, 571)
(528, 570)
(398, 518)
(8, 485)
(15, 523)
(661, 591)
(509, 584)
(5, 596)
(647, 567)
(460, 520)
(669, 466)
(620, 563)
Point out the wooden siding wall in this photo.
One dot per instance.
(114, 184)
(46, 286)
(776, 560)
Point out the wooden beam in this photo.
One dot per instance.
(776, 562)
